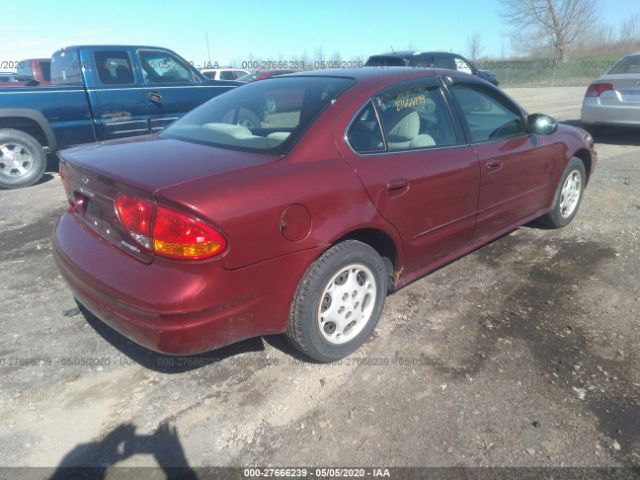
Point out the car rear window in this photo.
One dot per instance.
(629, 64)
(385, 61)
(267, 116)
(65, 68)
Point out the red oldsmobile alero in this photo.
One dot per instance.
(219, 229)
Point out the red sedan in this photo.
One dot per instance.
(212, 231)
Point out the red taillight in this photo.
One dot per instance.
(136, 216)
(64, 176)
(179, 236)
(597, 89)
(166, 231)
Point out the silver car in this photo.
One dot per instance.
(614, 98)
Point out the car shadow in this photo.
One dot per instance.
(612, 135)
(47, 177)
(94, 459)
(280, 342)
(166, 363)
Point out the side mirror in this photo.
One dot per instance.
(541, 124)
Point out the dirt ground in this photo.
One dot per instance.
(523, 353)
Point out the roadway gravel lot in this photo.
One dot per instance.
(523, 353)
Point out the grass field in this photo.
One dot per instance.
(544, 72)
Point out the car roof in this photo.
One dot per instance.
(388, 75)
(111, 46)
(221, 69)
(411, 53)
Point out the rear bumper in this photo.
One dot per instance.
(178, 308)
(624, 115)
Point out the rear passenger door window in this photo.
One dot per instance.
(489, 116)
(113, 67)
(364, 134)
(416, 118)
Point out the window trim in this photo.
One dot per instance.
(493, 92)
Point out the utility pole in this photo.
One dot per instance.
(206, 36)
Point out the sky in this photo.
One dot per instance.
(238, 31)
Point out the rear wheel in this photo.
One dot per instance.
(22, 159)
(568, 195)
(338, 302)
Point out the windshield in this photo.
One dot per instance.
(268, 115)
(249, 77)
(630, 64)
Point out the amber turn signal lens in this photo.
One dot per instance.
(180, 236)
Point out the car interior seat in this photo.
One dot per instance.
(403, 130)
(123, 75)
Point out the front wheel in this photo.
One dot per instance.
(338, 302)
(22, 159)
(568, 195)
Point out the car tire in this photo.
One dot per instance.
(338, 302)
(22, 159)
(568, 197)
(249, 119)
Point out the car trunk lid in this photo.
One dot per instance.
(94, 175)
(626, 89)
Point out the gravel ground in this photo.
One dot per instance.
(523, 353)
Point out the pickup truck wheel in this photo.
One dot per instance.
(338, 302)
(22, 159)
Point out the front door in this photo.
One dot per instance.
(515, 165)
(118, 102)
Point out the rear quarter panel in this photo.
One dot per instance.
(65, 108)
(319, 200)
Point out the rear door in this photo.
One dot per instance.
(117, 96)
(411, 157)
(515, 165)
(171, 87)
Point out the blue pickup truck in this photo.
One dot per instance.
(96, 93)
